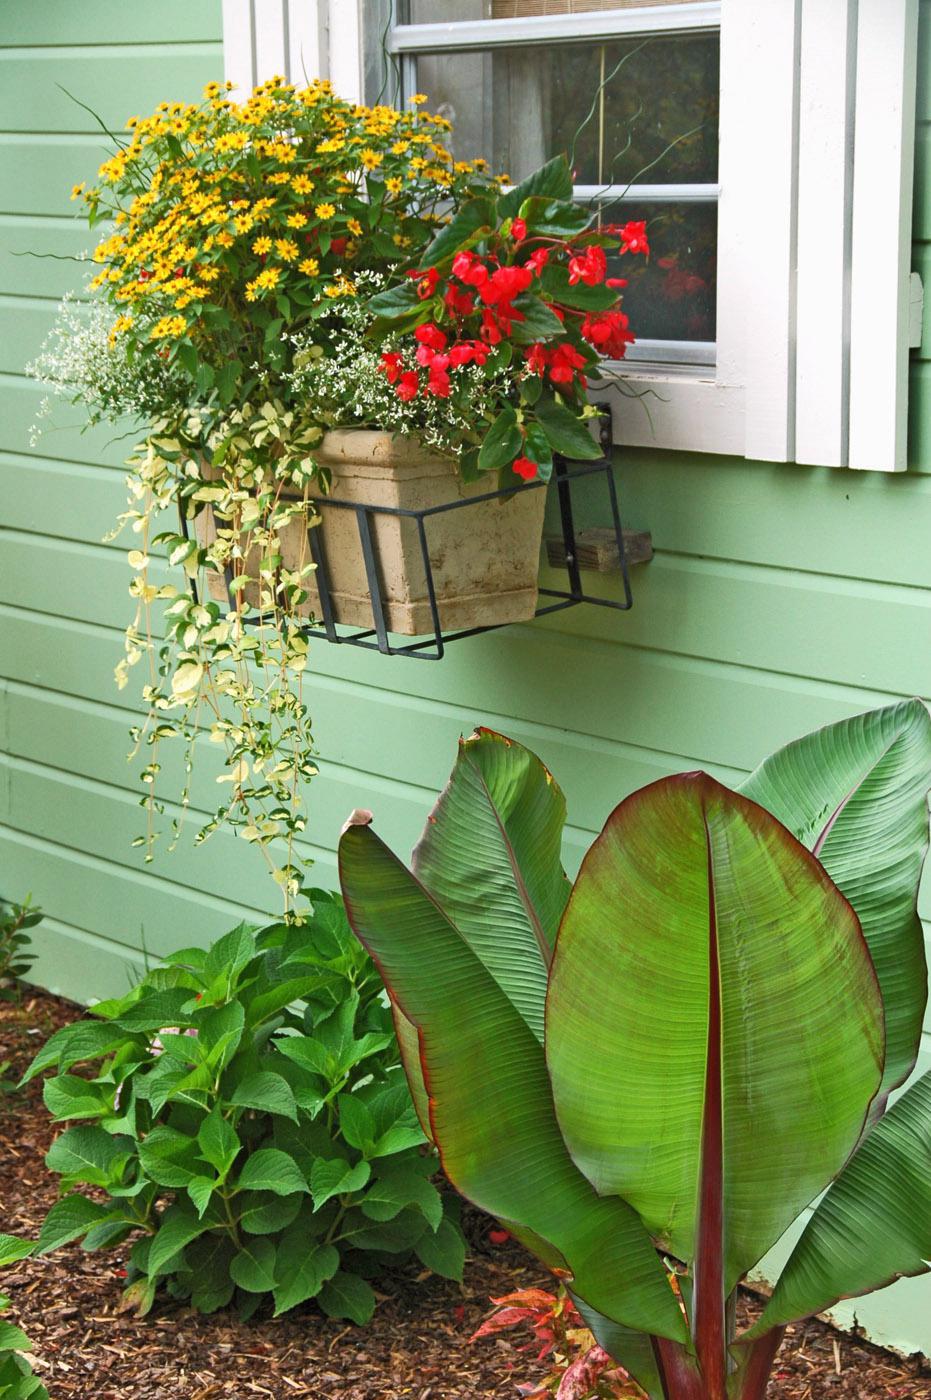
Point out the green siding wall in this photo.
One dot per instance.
(780, 598)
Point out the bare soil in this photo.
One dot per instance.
(416, 1348)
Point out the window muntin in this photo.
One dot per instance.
(642, 109)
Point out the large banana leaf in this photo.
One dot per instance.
(714, 1027)
(633, 1350)
(491, 1106)
(490, 855)
(873, 1226)
(855, 793)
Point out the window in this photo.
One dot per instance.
(769, 327)
(638, 111)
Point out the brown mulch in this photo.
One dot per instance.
(417, 1347)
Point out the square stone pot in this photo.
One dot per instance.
(485, 558)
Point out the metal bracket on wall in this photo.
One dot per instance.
(570, 549)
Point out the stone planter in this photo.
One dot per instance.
(485, 558)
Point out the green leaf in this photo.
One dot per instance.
(300, 1272)
(12, 1338)
(270, 1169)
(236, 949)
(169, 1157)
(552, 180)
(157, 1010)
(537, 448)
(391, 1194)
(177, 1229)
(394, 301)
(556, 287)
(633, 1350)
(89, 1154)
(539, 323)
(305, 1051)
(85, 1040)
(218, 1141)
(687, 877)
(12, 1249)
(855, 793)
(504, 887)
(565, 431)
(336, 1177)
(201, 1189)
(264, 1215)
(468, 224)
(220, 1031)
(502, 442)
(253, 1268)
(443, 1251)
(68, 1096)
(68, 1220)
(267, 1092)
(398, 1138)
(501, 1148)
(356, 1122)
(555, 218)
(347, 1295)
(873, 1226)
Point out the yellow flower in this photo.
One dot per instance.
(301, 184)
(168, 327)
(296, 220)
(400, 148)
(262, 245)
(342, 287)
(213, 90)
(309, 266)
(394, 185)
(333, 143)
(324, 211)
(355, 227)
(77, 190)
(371, 159)
(231, 141)
(225, 240)
(463, 167)
(419, 98)
(287, 249)
(243, 223)
(280, 177)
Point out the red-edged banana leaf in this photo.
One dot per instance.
(714, 1027)
(873, 1226)
(490, 855)
(856, 793)
(490, 1103)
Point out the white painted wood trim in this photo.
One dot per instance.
(679, 411)
(345, 45)
(602, 24)
(238, 47)
(825, 187)
(270, 30)
(887, 49)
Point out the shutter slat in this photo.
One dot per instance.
(825, 185)
(884, 137)
(270, 37)
(756, 301)
(306, 41)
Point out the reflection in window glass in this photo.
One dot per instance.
(656, 118)
(671, 296)
(440, 11)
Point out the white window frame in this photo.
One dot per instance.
(816, 136)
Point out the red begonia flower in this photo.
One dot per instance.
(518, 229)
(634, 237)
(408, 385)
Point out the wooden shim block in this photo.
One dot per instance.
(597, 549)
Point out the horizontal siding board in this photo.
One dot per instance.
(51, 275)
(828, 629)
(116, 85)
(87, 500)
(61, 437)
(100, 22)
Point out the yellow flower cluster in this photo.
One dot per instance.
(213, 212)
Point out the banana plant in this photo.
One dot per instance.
(649, 1075)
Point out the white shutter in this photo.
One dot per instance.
(884, 147)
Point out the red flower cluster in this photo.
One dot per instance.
(477, 306)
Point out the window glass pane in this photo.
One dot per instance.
(672, 295)
(655, 119)
(441, 11)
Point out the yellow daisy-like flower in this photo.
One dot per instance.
(355, 227)
(296, 220)
(77, 190)
(324, 211)
(370, 159)
(400, 148)
(213, 90)
(225, 240)
(418, 99)
(309, 266)
(302, 184)
(169, 327)
(287, 249)
(342, 287)
(262, 245)
(394, 185)
(280, 177)
(243, 223)
(332, 144)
